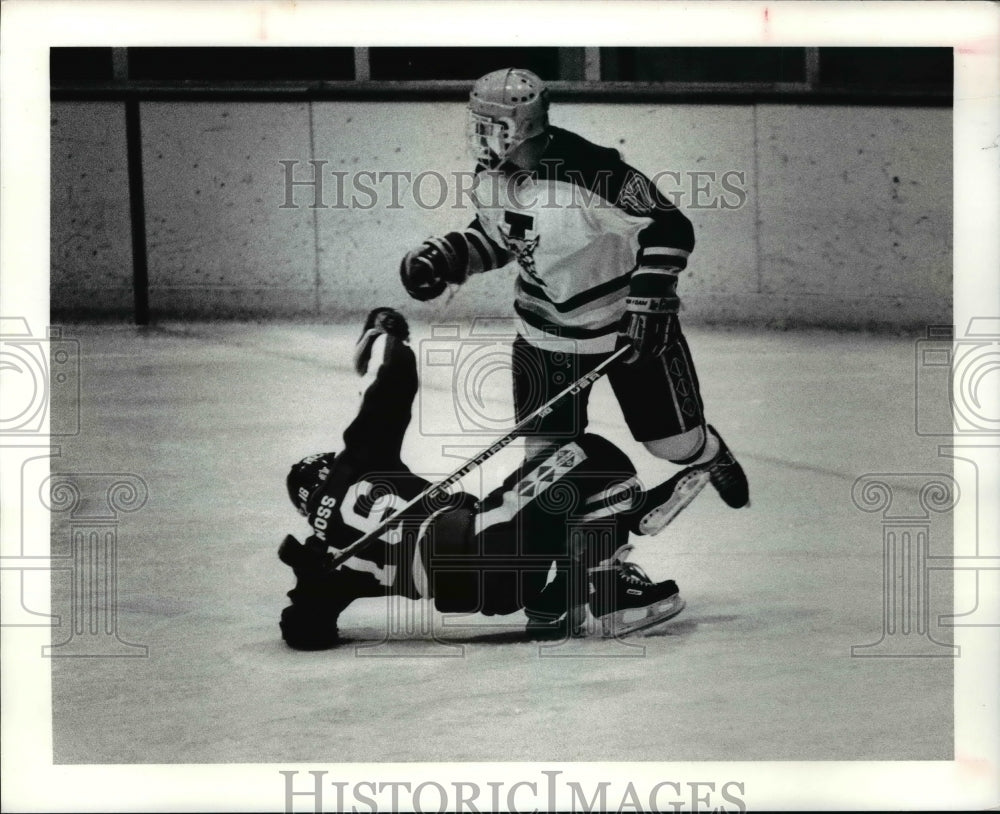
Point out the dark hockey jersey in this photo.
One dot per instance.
(577, 227)
(474, 555)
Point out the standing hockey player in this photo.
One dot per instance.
(599, 250)
(571, 505)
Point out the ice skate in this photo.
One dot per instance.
(320, 595)
(661, 504)
(625, 600)
(727, 475)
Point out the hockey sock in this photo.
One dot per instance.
(709, 451)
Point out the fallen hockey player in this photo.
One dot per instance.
(552, 540)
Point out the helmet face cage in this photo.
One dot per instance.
(306, 477)
(506, 108)
(489, 139)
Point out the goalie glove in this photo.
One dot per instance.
(427, 270)
(650, 310)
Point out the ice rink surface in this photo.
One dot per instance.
(758, 667)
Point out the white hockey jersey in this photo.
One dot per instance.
(577, 228)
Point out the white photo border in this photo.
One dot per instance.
(32, 783)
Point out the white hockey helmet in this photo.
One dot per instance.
(506, 108)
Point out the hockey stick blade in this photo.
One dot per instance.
(439, 490)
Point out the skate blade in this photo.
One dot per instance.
(624, 622)
(686, 490)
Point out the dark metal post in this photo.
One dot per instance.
(137, 207)
(137, 203)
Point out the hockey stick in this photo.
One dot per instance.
(438, 490)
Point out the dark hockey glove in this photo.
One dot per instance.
(427, 270)
(650, 310)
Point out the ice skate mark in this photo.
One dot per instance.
(692, 624)
(669, 627)
(156, 606)
(817, 470)
(506, 637)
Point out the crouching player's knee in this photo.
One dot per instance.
(462, 572)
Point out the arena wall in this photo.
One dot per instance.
(804, 215)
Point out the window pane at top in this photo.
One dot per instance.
(241, 63)
(460, 63)
(704, 64)
(78, 64)
(879, 67)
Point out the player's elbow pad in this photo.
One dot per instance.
(670, 232)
